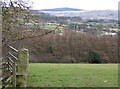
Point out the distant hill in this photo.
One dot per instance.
(95, 14)
(62, 9)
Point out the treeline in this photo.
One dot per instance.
(45, 17)
(71, 47)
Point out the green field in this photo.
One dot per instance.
(73, 75)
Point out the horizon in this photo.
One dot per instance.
(78, 4)
(77, 8)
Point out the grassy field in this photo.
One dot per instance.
(73, 75)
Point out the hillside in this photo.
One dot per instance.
(62, 9)
(95, 14)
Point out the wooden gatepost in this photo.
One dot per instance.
(16, 69)
(0, 45)
(22, 67)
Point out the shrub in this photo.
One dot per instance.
(94, 57)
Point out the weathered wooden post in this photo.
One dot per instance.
(0, 46)
(22, 66)
(14, 75)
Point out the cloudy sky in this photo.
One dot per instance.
(81, 4)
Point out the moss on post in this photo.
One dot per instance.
(22, 66)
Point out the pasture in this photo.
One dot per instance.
(72, 75)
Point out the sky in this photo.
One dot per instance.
(80, 4)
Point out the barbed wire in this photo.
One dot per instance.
(34, 36)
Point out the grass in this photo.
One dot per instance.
(73, 75)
